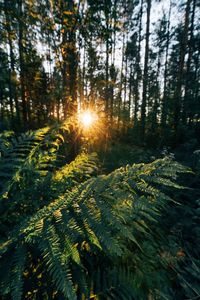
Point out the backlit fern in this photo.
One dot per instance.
(92, 237)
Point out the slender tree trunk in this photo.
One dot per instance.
(111, 102)
(11, 98)
(107, 58)
(21, 62)
(188, 67)
(164, 103)
(121, 79)
(180, 77)
(138, 76)
(114, 32)
(69, 70)
(81, 69)
(107, 78)
(12, 88)
(113, 77)
(10, 73)
(197, 76)
(145, 74)
(130, 91)
(157, 96)
(58, 109)
(2, 108)
(80, 86)
(125, 81)
(85, 92)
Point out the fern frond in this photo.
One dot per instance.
(56, 262)
(79, 170)
(5, 141)
(18, 266)
(16, 158)
(109, 218)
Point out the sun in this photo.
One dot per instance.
(87, 118)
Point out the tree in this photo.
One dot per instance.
(145, 72)
(165, 93)
(180, 77)
(188, 74)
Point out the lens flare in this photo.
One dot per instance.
(87, 118)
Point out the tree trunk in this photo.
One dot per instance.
(188, 67)
(180, 77)
(121, 79)
(69, 54)
(157, 96)
(138, 71)
(106, 11)
(145, 73)
(21, 62)
(164, 104)
(12, 88)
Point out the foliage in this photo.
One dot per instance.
(181, 225)
(32, 160)
(58, 56)
(65, 235)
(118, 154)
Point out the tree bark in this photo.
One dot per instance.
(138, 76)
(180, 77)
(21, 62)
(164, 103)
(69, 54)
(188, 67)
(12, 89)
(145, 73)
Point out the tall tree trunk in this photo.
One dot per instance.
(2, 108)
(196, 93)
(114, 31)
(157, 95)
(12, 88)
(69, 53)
(138, 71)
(11, 98)
(121, 79)
(80, 85)
(145, 74)
(6, 10)
(125, 78)
(180, 77)
(130, 91)
(21, 62)
(107, 100)
(164, 102)
(112, 68)
(188, 67)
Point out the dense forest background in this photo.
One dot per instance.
(136, 62)
(99, 149)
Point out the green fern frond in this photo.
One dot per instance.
(5, 141)
(105, 218)
(18, 266)
(17, 157)
(56, 262)
(79, 170)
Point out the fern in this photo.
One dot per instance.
(5, 141)
(56, 262)
(31, 177)
(17, 157)
(82, 168)
(18, 266)
(104, 222)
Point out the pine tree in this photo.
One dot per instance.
(145, 72)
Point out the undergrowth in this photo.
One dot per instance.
(69, 232)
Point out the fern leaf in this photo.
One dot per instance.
(19, 260)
